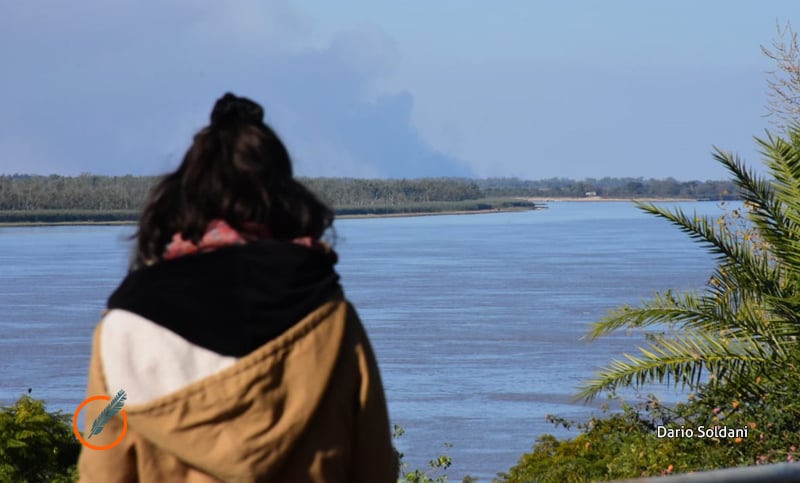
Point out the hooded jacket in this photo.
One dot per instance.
(245, 364)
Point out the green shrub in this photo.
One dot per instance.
(36, 445)
(627, 444)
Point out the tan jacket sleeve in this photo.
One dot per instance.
(117, 464)
(374, 456)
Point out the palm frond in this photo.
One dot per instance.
(664, 308)
(680, 358)
(717, 312)
(720, 241)
(756, 192)
(783, 159)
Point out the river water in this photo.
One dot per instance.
(476, 320)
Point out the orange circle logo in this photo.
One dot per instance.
(88, 444)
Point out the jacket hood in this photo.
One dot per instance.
(247, 419)
(225, 356)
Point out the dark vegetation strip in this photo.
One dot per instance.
(67, 216)
(484, 204)
(11, 217)
(127, 193)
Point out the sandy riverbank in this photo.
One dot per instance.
(602, 198)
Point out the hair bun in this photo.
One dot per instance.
(231, 110)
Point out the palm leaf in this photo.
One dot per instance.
(680, 359)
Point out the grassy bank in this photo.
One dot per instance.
(54, 217)
(74, 217)
(431, 207)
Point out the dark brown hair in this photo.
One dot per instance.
(236, 170)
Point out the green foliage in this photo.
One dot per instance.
(374, 192)
(85, 192)
(35, 445)
(627, 444)
(128, 193)
(68, 216)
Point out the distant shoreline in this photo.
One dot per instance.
(537, 202)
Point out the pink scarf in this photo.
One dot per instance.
(219, 234)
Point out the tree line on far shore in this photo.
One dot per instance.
(611, 188)
(107, 193)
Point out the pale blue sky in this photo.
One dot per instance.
(408, 88)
